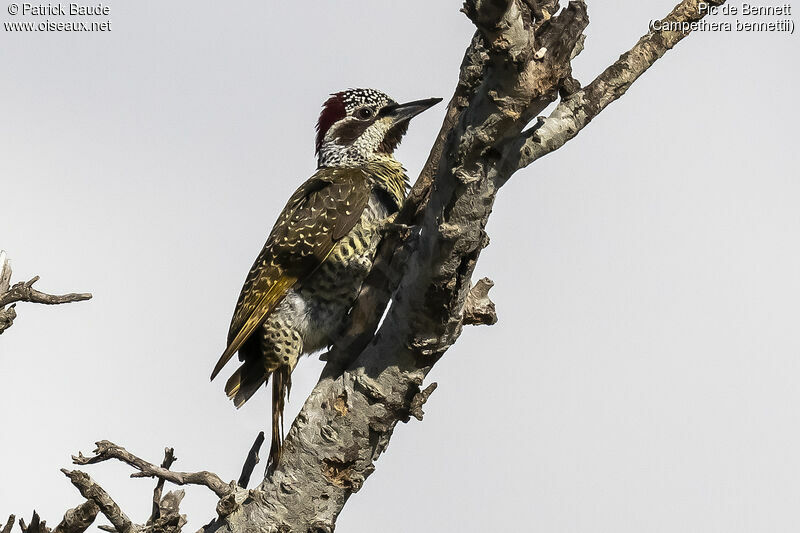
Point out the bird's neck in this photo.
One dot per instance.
(351, 156)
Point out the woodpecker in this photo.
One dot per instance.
(297, 295)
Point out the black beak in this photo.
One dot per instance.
(404, 112)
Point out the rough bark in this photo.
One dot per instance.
(75, 520)
(108, 450)
(9, 524)
(517, 63)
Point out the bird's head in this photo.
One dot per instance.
(357, 126)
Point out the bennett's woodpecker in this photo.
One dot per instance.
(306, 278)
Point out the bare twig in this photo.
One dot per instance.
(251, 461)
(108, 450)
(94, 492)
(24, 292)
(169, 458)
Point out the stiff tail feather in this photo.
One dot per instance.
(281, 385)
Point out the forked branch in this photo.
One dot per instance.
(108, 450)
(10, 295)
(576, 110)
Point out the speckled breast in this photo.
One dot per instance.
(331, 290)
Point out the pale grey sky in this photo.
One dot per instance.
(643, 375)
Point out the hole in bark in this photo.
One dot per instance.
(340, 404)
(338, 472)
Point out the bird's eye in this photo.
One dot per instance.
(364, 113)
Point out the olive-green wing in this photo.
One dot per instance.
(323, 210)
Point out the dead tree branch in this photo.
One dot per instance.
(169, 458)
(575, 112)
(79, 519)
(24, 292)
(95, 493)
(108, 450)
(169, 519)
(165, 516)
(75, 520)
(37, 525)
(251, 461)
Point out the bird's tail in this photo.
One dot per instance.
(281, 387)
(244, 383)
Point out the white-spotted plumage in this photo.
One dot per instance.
(298, 293)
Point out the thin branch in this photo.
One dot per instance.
(24, 292)
(108, 450)
(94, 492)
(576, 111)
(251, 461)
(169, 458)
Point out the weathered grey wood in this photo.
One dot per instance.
(9, 524)
(24, 292)
(108, 450)
(155, 513)
(95, 493)
(251, 461)
(79, 519)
